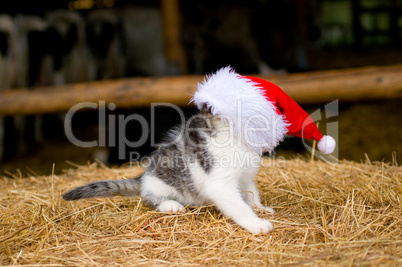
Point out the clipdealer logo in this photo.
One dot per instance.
(112, 128)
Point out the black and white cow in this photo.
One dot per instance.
(105, 44)
(66, 51)
(8, 61)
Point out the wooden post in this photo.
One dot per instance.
(171, 29)
(305, 88)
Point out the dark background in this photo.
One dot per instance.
(265, 37)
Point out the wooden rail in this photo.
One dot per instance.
(305, 88)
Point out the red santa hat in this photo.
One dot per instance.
(257, 111)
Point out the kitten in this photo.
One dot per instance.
(202, 162)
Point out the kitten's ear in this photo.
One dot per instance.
(205, 110)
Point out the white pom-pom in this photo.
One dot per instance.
(326, 145)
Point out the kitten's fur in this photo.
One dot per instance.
(207, 164)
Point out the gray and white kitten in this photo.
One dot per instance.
(201, 163)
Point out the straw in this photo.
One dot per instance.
(349, 214)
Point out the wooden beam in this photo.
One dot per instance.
(305, 88)
(347, 85)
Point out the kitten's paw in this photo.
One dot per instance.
(259, 227)
(171, 206)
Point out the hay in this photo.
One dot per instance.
(328, 215)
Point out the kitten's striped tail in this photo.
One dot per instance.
(110, 188)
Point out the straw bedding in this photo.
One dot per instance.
(326, 215)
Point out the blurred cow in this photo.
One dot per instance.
(31, 50)
(8, 53)
(66, 52)
(8, 44)
(144, 52)
(105, 44)
(143, 35)
(64, 60)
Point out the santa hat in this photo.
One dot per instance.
(257, 111)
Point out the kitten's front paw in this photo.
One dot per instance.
(171, 206)
(259, 227)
